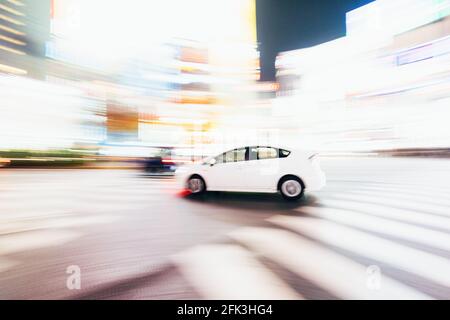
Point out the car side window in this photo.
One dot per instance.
(284, 153)
(240, 154)
(229, 156)
(253, 153)
(220, 158)
(267, 153)
(235, 155)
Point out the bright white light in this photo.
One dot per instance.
(47, 115)
(115, 29)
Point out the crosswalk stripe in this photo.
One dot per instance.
(46, 222)
(435, 239)
(397, 195)
(18, 242)
(230, 272)
(6, 264)
(416, 206)
(423, 264)
(337, 274)
(434, 186)
(422, 219)
(401, 189)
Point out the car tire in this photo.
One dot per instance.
(196, 185)
(291, 188)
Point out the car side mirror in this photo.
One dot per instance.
(212, 162)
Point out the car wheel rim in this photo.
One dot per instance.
(291, 188)
(195, 185)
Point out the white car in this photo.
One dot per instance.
(256, 169)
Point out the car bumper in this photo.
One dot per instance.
(317, 182)
(181, 178)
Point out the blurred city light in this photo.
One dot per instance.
(150, 87)
(383, 87)
(99, 73)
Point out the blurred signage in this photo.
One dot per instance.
(196, 55)
(122, 122)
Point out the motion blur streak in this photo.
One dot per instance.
(102, 102)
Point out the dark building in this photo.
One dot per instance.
(24, 31)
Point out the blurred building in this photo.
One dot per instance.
(384, 86)
(13, 45)
(24, 30)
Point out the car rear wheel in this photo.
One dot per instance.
(291, 188)
(196, 185)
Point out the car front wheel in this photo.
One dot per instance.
(291, 188)
(196, 185)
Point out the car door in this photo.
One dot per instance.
(264, 169)
(227, 171)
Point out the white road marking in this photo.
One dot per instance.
(53, 222)
(18, 242)
(414, 206)
(337, 274)
(6, 264)
(423, 264)
(230, 272)
(410, 198)
(406, 189)
(409, 232)
(423, 219)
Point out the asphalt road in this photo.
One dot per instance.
(380, 229)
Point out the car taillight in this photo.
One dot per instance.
(168, 161)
